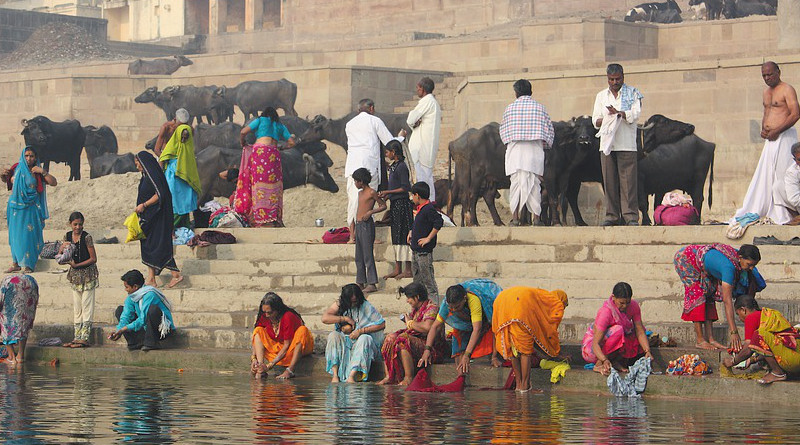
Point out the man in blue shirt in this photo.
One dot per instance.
(145, 317)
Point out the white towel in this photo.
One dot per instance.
(607, 131)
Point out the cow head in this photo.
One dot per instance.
(183, 61)
(660, 129)
(584, 131)
(36, 131)
(317, 162)
(151, 144)
(316, 132)
(149, 95)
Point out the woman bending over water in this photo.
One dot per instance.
(279, 338)
(617, 337)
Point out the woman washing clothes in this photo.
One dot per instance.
(259, 189)
(617, 337)
(280, 338)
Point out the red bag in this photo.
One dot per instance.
(336, 236)
(685, 215)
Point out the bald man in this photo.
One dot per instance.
(766, 195)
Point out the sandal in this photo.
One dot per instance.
(779, 378)
(78, 344)
(68, 344)
(13, 269)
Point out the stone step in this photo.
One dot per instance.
(559, 236)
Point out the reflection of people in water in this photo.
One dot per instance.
(144, 406)
(275, 422)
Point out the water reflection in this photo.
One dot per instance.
(92, 405)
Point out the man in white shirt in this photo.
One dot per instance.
(792, 183)
(365, 132)
(616, 111)
(423, 144)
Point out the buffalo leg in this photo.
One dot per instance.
(472, 215)
(643, 202)
(573, 190)
(489, 197)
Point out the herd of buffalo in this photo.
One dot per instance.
(671, 155)
(669, 11)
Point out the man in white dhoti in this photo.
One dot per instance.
(616, 111)
(527, 131)
(423, 144)
(365, 132)
(766, 195)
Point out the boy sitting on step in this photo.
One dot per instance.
(366, 274)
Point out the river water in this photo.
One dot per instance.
(73, 404)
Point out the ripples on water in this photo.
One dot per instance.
(107, 405)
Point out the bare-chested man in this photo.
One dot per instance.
(366, 274)
(166, 130)
(766, 195)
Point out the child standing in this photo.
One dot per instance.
(422, 239)
(83, 277)
(400, 210)
(366, 274)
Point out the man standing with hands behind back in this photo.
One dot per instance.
(423, 144)
(616, 111)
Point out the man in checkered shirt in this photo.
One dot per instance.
(527, 132)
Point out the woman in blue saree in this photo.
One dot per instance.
(26, 210)
(357, 338)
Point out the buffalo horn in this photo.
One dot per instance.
(24, 122)
(647, 127)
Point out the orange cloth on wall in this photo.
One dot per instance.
(524, 316)
(302, 337)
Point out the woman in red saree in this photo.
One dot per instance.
(402, 349)
(259, 189)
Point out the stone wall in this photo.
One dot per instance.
(17, 26)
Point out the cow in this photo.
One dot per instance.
(225, 135)
(479, 156)
(667, 12)
(152, 95)
(198, 101)
(333, 130)
(56, 142)
(734, 9)
(111, 163)
(302, 164)
(158, 66)
(254, 96)
(98, 141)
(712, 9)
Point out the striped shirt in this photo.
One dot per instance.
(526, 120)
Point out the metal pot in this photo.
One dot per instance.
(319, 222)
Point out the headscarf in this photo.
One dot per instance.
(186, 167)
(24, 193)
(153, 173)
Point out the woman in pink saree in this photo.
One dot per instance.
(259, 189)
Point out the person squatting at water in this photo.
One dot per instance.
(83, 277)
(145, 318)
(526, 319)
(467, 308)
(716, 272)
(280, 338)
(617, 337)
(402, 349)
(19, 297)
(768, 338)
(26, 210)
(356, 341)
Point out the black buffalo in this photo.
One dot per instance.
(99, 141)
(198, 101)
(254, 96)
(56, 142)
(666, 12)
(713, 8)
(111, 163)
(303, 164)
(158, 66)
(225, 135)
(333, 130)
(152, 95)
(478, 155)
(734, 9)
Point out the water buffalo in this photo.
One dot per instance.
(111, 163)
(666, 12)
(254, 96)
(152, 95)
(711, 8)
(683, 164)
(734, 9)
(158, 66)
(198, 101)
(99, 140)
(306, 163)
(225, 135)
(479, 156)
(56, 142)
